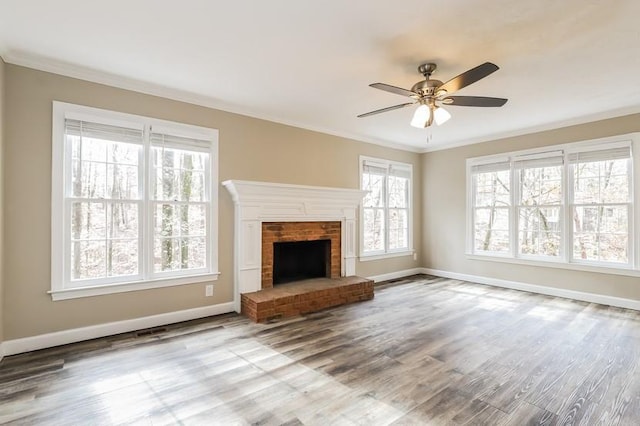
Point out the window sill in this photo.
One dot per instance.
(625, 271)
(99, 290)
(370, 257)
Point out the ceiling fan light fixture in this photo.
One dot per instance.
(441, 115)
(421, 117)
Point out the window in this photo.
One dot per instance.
(540, 204)
(491, 207)
(133, 202)
(601, 207)
(570, 205)
(386, 209)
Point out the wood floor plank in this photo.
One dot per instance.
(425, 350)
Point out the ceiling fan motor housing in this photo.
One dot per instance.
(426, 87)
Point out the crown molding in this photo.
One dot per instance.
(619, 112)
(66, 69)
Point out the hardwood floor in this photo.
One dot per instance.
(426, 350)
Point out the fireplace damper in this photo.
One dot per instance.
(300, 260)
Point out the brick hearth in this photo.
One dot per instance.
(287, 300)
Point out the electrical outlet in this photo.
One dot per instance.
(415, 256)
(208, 290)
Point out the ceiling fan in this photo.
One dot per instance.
(431, 94)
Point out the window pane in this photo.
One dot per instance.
(398, 229)
(585, 246)
(166, 220)
(123, 220)
(123, 153)
(123, 257)
(601, 233)
(122, 182)
(166, 254)
(398, 192)
(613, 247)
(90, 149)
(539, 231)
(180, 220)
(492, 188)
(375, 184)
(491, 229)
(88, 221)
(192, 186)
(180, 174)
(88, 259)
(193, 220)
(104, 169)
(174, 254)
(601, 182)
(373, 229)
(88, 179)
(541, 186)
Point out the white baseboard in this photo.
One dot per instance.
(396, 275)
(1, 350)
(26, 344)
(540, 289)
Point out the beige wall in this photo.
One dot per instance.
(249, 149)
(2, 127)
(444, 189)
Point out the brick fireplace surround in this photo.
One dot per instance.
(293, 213)
(280, 232)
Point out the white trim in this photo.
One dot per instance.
(2, 351)
(396, 275)
(370, 257)
(539, 289)
(77, 292)
(558, 264)
(26, 344)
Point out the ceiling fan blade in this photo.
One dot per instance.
(468, 77)
(391, 108)
(393, 89)
(474, 101)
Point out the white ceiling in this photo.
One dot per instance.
(309, 63)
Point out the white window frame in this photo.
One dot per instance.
(386, 252)
(565, 259)
(61, 287)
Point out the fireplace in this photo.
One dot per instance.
(301, 260)
(263, 204)
(310, 250)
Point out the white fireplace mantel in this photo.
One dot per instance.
(257, 202)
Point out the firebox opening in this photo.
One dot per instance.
(300, 260)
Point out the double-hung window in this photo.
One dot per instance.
(573, 204)
(601, 209)
(539, 204)
(491, 206)
(133, 202)
(386, 209)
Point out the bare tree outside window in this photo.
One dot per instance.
(601, 210)
(571, 203)
(386, 207)
(104, 212)
(492, 201)
(181, 209)
(540, 210)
